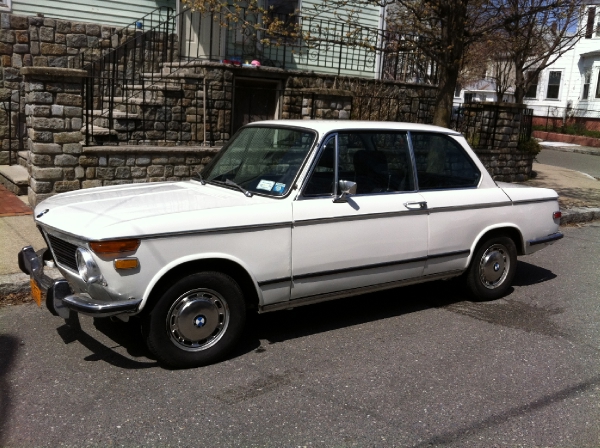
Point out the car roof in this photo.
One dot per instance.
(324, 126)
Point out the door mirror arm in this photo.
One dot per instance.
(347, 188)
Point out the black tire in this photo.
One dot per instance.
(492, 268)
(197, 321)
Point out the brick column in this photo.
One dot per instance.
(53, 110)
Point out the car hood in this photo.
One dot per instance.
(155, 208)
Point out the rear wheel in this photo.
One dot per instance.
(196, 321)
(492, 268)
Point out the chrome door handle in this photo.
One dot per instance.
(416, 205)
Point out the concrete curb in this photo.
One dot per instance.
(578, 215)
(19, 282)
(589, 152)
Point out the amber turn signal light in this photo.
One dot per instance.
(114, 247)
(126, 263)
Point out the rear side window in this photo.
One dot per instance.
(442, 163)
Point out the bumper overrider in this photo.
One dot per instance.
(60, 298)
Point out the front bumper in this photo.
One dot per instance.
(60, 298)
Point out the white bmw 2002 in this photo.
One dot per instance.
(288, 213)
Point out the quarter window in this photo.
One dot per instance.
(598, 86)
(442, 163)
(553, 85)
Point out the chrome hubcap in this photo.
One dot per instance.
(494, 266)
(198, 319)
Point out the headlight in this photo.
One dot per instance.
(88, 269)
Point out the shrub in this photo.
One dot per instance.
(531, 146)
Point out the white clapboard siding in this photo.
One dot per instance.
(106, 12)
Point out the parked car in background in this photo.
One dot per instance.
(288, 213)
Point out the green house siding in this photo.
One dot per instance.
(106, 12)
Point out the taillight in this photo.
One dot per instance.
(556, 215)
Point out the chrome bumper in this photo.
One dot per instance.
(60, 298)
(546, 239)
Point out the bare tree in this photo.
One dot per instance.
(537, 33)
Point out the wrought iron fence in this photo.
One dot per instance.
(12, 109)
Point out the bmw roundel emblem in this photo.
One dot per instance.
(200, 321)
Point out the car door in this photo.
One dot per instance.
(377, 236)
(459, 208)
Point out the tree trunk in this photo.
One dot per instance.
(445, 95)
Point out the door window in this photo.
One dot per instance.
(442, 163)
(377, 161)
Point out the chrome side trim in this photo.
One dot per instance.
(357, 268)
(233, 229)
(534, 201)
(275, 280)
(346, 218)
(546, 239)
(356, 291)
(379, 265)
(470, 207)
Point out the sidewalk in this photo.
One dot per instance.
(579, 197)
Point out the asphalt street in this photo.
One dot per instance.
(417, 366)
(585, 163)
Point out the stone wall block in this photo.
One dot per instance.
(105, 173)
(46, 173)
(40, 136)
(71, 111)
(58, 110)
(116, 161)
(40, 187)
(66, 160)
(53, 124)
(19, 22)
(72, 148)
(46, 34)
(156, 171)
(6, 48)
(48, 49)
(39, 98)
(66, 185)
(45, 148)
(91, 183)
(7, 36)
(78, 27)
(123, 172)
(68, 137)
(77, 40)
(40, 159)
(69, 99)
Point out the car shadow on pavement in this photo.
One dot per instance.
(530, 274)
(8, 352)
(312, 319)
(126, 335)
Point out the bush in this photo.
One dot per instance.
(531, 146)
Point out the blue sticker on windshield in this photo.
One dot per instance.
(279, 188)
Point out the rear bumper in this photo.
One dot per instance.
(546, 239)
(60, 298)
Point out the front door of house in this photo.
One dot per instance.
(254, 100)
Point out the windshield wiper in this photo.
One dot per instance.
(233, 184)
(200, 178)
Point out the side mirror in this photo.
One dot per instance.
(347, 188)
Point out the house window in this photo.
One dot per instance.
(457, 90)
(282, 13)
(587, 77)
(532, 80)
(598, 87)
(6, 5)
(469, 97)
(553, 85)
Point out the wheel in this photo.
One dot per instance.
(492, 268)
(196, 321)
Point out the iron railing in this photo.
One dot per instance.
(567, 120)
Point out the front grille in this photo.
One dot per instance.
(64, 252)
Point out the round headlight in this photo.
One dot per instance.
(88, 269)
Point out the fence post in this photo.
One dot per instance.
(340, 56)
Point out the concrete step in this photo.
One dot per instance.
(15, 178)
(117, 114)
(181, 74)
(156, 86)
(98, 131)
(23, 157)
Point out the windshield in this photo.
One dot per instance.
(262, 160)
